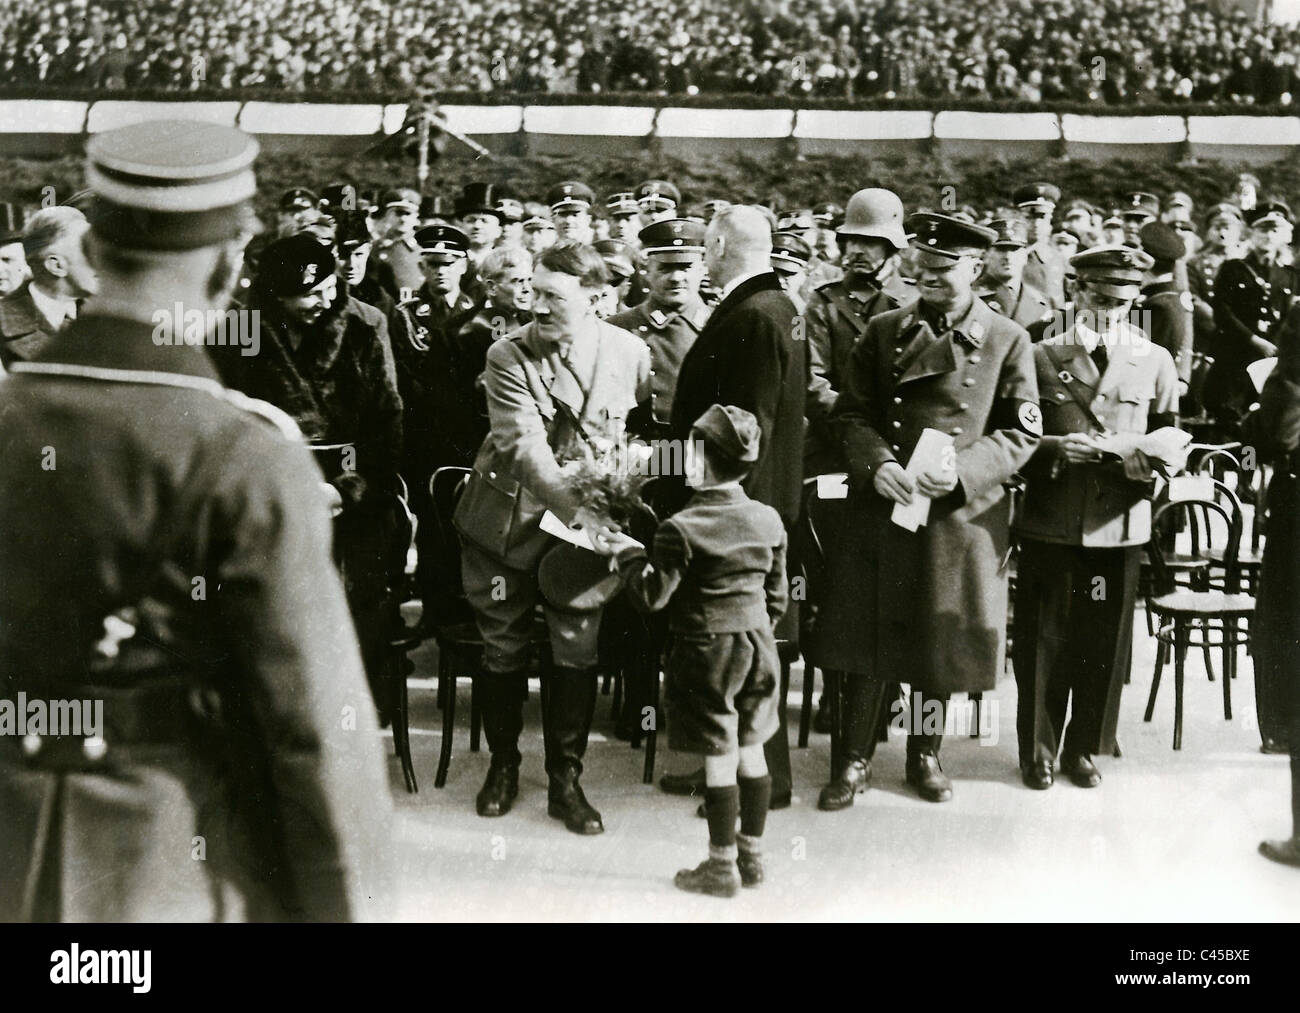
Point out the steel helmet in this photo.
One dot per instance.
(875, 213)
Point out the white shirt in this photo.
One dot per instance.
(732, 285)
(55, 309)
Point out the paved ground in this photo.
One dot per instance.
(1168, 836)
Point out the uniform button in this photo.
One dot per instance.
(492, 474)
(898, 400)
(897, 424)
(957, 431)
(963, 406)
(896, 451)
(652, 372)
(94, 748)
(31, 745)
(974, 358)
(968, 382)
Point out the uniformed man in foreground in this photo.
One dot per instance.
(167, 553)
(1103, 386)
(927, 607)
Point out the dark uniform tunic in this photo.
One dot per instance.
(1165, 312)
(719, 566)
(1045, 273)
(669, 334)
(836, 318)
(1023, 304)
(1250, 299)
(397, 265)
(1081, 524)
(929, 607)
(238, 721)
(24, 331)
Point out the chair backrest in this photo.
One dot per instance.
(1225, 505)
(1219, 461)
(445, 486)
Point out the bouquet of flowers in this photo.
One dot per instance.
(606, 473)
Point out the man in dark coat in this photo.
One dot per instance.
(1165, 309)
(440, 424)
(1275, 631)
(928, 606)
(1251, 295)
(173, 563)
(326, 362)
(751, 354)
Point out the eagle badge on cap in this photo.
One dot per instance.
(309, 274)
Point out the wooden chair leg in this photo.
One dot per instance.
(606, 682)
(652, 735)
(978, 700)
(402, 727)
(445, 675)
(475, 719)
(1161, 657)
(1180, 661)
(1207, 648)
(620, 687)
(1229, 664)
(805, 709)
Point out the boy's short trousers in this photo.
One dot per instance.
(721, 691)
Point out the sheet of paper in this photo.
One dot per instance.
(832, 486)
(552, 525)
(928, 455)
(1182, 487)
(1258, 371)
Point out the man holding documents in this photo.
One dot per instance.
(939, 409)
(567, 378)
(1109, 395)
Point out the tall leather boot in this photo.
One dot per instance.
(501, 704)
(862, 700)
(570, 705)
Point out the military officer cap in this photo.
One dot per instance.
(538, 221)
(1163, 243)
(339, 197)
(11, 223)
(948, 237)
(622, 204)
(1041, 198)
(509, 210)
(399, 198)
(442, 243)
(297, 199)
(828, 215)
(1012, 233)
(658, 195)
(1075, 207)
(790, 251)
(353, 230)
(1139, 204)
(713, 206)
(1270, 211)
(617, 256)
(1115, 271)
(478, 198)
(1223, 211)
(1063, 237)
(1116, 217)
(294, 265)
(570, 195)
(1178, 199)
(798, 218)
(676, 240)
(729, 433)
(171, 184)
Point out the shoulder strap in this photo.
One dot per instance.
(1074, 393)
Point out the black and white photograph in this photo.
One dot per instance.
(671, 461)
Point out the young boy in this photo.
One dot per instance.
(721, 563)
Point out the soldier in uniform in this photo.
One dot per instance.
(13, 265)
(539, 230)
(397, 258)
(1139, 209)
(295, 210)
(439, 425)
(178, 570)
(511, 213)
(927, 607)
(553, 386)
(1165, 310)
(1044, 266)
(1251, 295)
(570, 204)
(624, 216)
(621, 268)
(1103, 385)
(1112, 229)
(1002, 281)
(1222, 241)
(658, 200)
(790, 260)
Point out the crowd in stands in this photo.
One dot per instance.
(1103, 51)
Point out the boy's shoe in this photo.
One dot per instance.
(717, 877)
(751, 869)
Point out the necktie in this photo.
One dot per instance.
(1100, 356)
